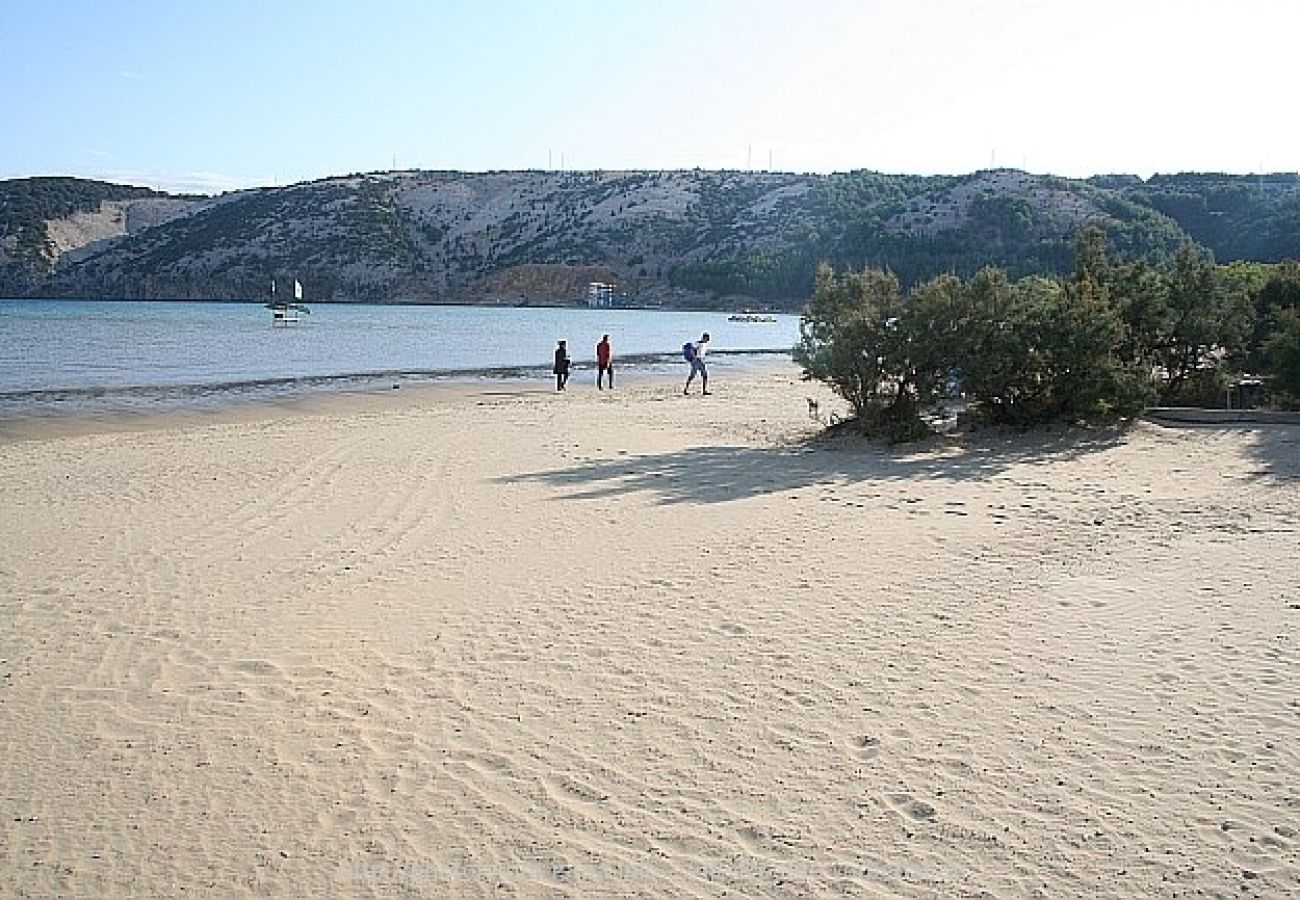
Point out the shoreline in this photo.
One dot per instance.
(742, 305)
(92, 409)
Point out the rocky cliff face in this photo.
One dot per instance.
(83, 234)
(48, 222)
(670, 238)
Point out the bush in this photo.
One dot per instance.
(1024, 353)
(1282, 353)
(1038, 351)
(857, 336)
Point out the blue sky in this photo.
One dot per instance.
(212, 95)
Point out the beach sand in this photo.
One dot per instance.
(491, 640)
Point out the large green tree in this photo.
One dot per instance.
(858, 336)
(1275, 342)
(1041, 351)
(1207, 320)
(1282, 355)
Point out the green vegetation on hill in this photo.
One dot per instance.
(26, 204)
(1238, 217)
(684, 237)
(235, 246)
(1021, 232)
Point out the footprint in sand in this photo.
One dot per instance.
(568, 788)
(261, 668)
(917, 809)
(920, 810)
(752, 839)
(867, 747)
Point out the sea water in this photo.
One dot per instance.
(87, 355)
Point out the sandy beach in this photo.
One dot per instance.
(491, 640)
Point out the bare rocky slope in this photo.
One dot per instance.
(673, 238)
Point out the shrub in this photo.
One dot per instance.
(1024, 353)
(1282, 353)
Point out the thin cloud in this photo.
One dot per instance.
(188, 182)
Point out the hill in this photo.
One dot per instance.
(674, 238)
(45, 221)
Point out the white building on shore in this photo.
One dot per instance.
(600, 294)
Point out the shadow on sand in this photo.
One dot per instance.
(1277, 449)
(1274, 435)
(1274, 447)
(720, 474)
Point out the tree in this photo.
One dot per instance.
(1091, 378)
(997, 361)
(1039, 351)
(1091, 265)
(1206, 322)
(1275, 347)
(1277, 292)
(1025, 353)
(1141, 296)
(936, 321)
(855, 337)
(1282, 354)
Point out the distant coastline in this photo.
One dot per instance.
(692, 239)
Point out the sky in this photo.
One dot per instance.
(214, 95)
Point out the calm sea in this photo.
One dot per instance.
(62, 355)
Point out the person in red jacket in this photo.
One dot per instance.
(604, 363)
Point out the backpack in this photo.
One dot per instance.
(688, 351)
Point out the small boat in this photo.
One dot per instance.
(285, 312)
(750, 317)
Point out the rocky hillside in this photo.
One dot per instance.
(664, 238)
(48, 222)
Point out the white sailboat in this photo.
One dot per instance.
(285, 312)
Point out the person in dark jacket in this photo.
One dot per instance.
(562, 364)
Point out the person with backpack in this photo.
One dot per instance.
(693, 353)
(604, 363)
(561, 367)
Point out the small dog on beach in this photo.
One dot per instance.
(814, 411)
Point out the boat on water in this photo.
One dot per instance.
(750, 317)
(286, 312)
